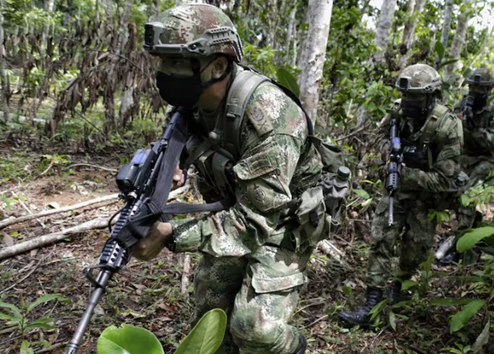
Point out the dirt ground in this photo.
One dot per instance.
(148, 294)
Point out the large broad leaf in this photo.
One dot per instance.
(128, 340)
(468, 240)
(462, 317)
(46, 298)
(207, 335)
(361, 193)
(287, 80)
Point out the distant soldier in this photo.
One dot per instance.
(477, 159)
(431, 138)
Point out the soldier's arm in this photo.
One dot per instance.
(487, 137)
(445, 169)
(263, 176)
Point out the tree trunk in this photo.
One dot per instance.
(127, 101)
(448, 15)
(46, 31)
(315, 48)
(109, 14)
(458, 39)
(5, 86)
(383, 30)
(291, 32)
(410, 30)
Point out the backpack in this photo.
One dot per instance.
(325, 201)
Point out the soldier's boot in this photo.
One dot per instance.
(302, 345)
(361, 317)
(396, 295)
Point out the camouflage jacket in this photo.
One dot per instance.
(277, 163)
(419, 179)
(478, 138)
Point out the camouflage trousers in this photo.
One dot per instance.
(259, 294)
(410, 216)
(476, 172)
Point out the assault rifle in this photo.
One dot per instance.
(144, 184)
(137, 182)
(394, 166)
(468, 111)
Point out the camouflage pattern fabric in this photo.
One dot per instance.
(187, 23)
(245, 247)
(416, 242)
(425, 183)
(419, 190)
(477, 159)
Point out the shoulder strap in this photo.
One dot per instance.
(433, 129)
(243, 86)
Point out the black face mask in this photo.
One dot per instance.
(415, 108)
(479, 99)
(185, 92)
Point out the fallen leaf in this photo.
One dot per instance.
(8, 240)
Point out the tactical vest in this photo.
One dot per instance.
(216, 154)
(435, 131)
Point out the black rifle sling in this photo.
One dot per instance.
(157, 206)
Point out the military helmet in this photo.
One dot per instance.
(480, 76)
(193, 30)
(418, 78)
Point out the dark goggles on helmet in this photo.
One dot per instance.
(203, 46)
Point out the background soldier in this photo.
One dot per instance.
(253, 262)
(431, 139)
(477, 157)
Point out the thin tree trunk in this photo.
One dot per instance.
(315, 48)
(410, 30)
(448, 15)
(49, 8)
(292, 30)
(5, 86)
(127, 101)
(408, 24)
(458, 40)
(383, 29)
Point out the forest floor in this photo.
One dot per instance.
(148, 294)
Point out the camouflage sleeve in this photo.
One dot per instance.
(262, 176)
(486, 135)
(445, 169)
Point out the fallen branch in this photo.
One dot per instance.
(112, 198)
(45, 240)
(185, 275)
(94, 166)
(26, 208)
(331, 250)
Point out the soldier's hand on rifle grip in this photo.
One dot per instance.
(158, 236)
(178, 178)
(385, 153)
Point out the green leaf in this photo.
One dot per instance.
(128, 340)
(14, 309)
(462, 317)
(447, 62)
(4, 316)
(452, 301)
(469, 239)
(439, 48)
(25, 348)
(207, 335)
(407, 284)
(361, 193)
(483, 338)
(42, 322)
(287, 80)
(392, 320)
(44, 299)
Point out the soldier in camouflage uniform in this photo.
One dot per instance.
(252, 265)
(477, 158)
(431, 138)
